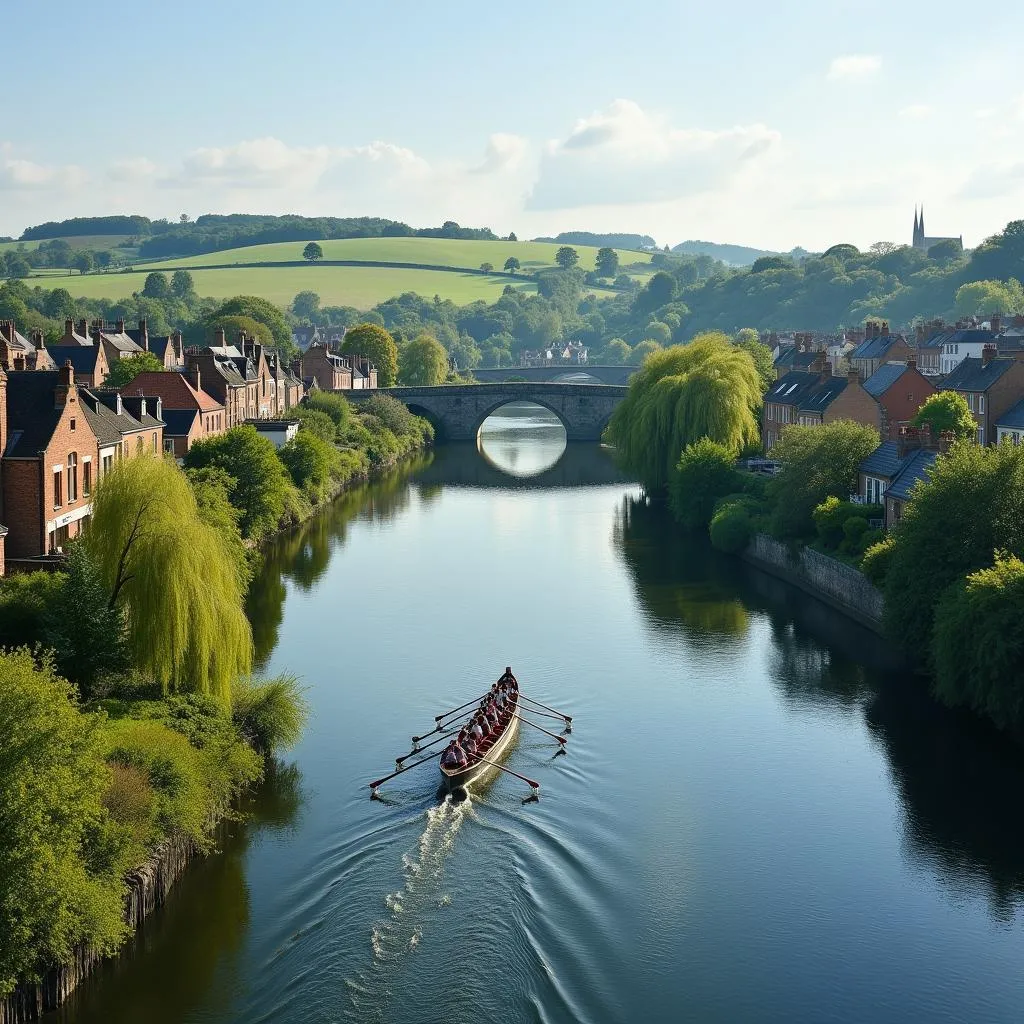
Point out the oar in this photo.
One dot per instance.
(544, 714)
(561, 739)
(568, 718)
(494, 764)
(419, 750)
(476, 700)
(407, 768)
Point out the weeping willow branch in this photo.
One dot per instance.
(173, 575)
(708, 388)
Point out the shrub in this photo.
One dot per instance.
(731, 527)
(24, 601)
(854, 530)
(392, 413)
(315, 422)
(311, 463)
(705, 472)
(335, 406)
(877, 559)
(270, 714)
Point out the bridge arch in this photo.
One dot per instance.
(500, 403)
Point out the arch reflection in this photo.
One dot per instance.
(522, 439)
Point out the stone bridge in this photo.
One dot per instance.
(562, 372)
(458, 410)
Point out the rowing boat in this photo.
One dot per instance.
(460, 778)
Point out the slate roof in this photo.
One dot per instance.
(1013, 417)
(178, 422)
(82, 358)
(31, 415)
(883, 378)
(973, 375)
(158, 346)
(104, 422)
(874, 348)
(133, 407)
(884, 461)
(790, 357)
(173, 389)
(971, 336)
(937, 340)
(915, 467)
(820, 397)
(122, 342)
(806, 391)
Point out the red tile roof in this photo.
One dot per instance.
(173, 389)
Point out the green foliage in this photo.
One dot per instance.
(983, 297)
(617, 352)
(877, 559)
(306, 305)
(157, 286)
(978, 648)
(25, 601)
(182, 285)
(262, 311)
(173, 576)
(831, 519)
(947, 411)
(567, 257)
(731, 526)
(607, 262)
(705, 473)
(971, 505)
(212, 488)
(233, 326)
(312, 464)
(312, 252)
(60, 861)
(260, 482)
(86, 635)
(127, 368)
(512, 264)
(817, 462)
(680, 395)
(270, 714)
(374, 341)
(643, 350)
(424, 362)
(749, 341)
(392, 413)
(658, 331)
(335, 406)
(315, 422)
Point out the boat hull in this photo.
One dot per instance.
(464, 777)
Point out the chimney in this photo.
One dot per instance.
(912, 363)
(120, 325)
(219, 337)
(919, 333)
(64, 392)
(144, 334)
(853, 376)
(885, 327)
(7, 330)
(995, 323)
(83, 328)
(194, 374)
(37, 340)
(988, 353)
(69, 328)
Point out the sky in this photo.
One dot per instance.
(771, 125)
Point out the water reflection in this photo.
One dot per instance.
(522, 439)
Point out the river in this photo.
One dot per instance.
(760, 817)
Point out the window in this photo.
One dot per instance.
(72, 423)
(155, 448)
(169, 445)
(87, 477)
(139, 444)
(106, 464)
(981, 436)
(58, 488)
(73, 477)
(981, 403)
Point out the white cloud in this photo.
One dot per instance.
(624, 155)
(854, 65)
(18, 174)
(995, 181)
(138, 168)
(916, 111)
(504, 152)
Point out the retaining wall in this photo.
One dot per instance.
(828, 579)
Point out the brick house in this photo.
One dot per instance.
(330, 370)
(88, 361)
(1010, 425)
(221, 379)
(123, 426)
(169, 349)
(991, 385)
(176, 391)
(182, 427)
(114, 340)
(18, 353)
(886, 400)
(798, 398)
(49, 463)
(878, 347)
(888, 475)
(929, 339)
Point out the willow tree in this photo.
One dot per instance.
(173, 576)
(708, 388)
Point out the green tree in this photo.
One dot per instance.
(172, 575)
(18, 266)
(706, 472)
(374, 341)
(512, 264)
(60, 880)
(26, 600)
(947, 411)
(511, 237)
(705, 389)
(82, 261)
(317, 423)
(983, 297)
(233, 326)
(607, 262)
(970, 505)
(86, 634)
(659, 291)
(642, 350)
(157, 286)
(658, 331)
(978, 648)
(816, 463)
(261, 484)
(212, 488)
(487, 267)
(424, 362)
(617, 352)
(567, 257)
(127, 368)
(312, 252)
(749, 341)
(336, 406)
(58, 304)
(306, 305)
(265, 313)
(311, 462)
(182, 285)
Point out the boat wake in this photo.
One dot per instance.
(401, 931)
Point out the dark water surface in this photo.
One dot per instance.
(760, 818)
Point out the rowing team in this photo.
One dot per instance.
(480, 732)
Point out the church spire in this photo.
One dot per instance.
(916, 231)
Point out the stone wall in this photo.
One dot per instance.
(832, 581)
(148, 887)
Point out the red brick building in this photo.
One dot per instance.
(49, 462)
(330, 370)
(88, 361)
(888, 399)
(878, 347)
(18, 353)
(990, 385)
(176, 391)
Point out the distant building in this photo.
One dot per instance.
(925, 242)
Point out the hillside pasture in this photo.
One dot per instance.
(95, 242)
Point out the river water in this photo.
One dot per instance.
(760, 817)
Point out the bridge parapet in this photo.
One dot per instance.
(602, 374)
(458, 410)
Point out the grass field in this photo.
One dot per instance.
(75, 241)
(445, 252)
(361, 287)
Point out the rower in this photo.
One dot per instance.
(449, 759)
(476, 730)
(492, 716)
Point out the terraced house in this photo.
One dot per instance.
(991, 386)
(799, 398)
(19, 353)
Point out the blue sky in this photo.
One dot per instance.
(763, 124)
